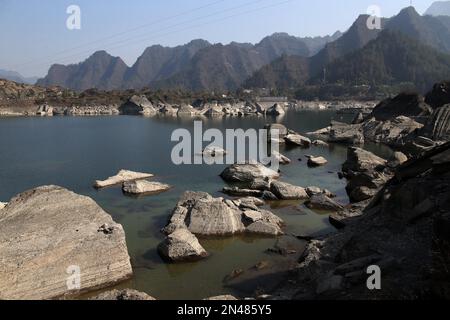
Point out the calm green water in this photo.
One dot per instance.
(73, 152)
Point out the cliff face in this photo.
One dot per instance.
(404, 231)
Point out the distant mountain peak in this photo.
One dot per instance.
(439, 8)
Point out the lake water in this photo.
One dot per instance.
(73, 152)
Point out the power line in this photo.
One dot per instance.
(50, 58)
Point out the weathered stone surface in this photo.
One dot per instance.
(297, 140)
(346, 134)
(181, 245)
(286, 191)
(438, 125)
(282, 130)
(404, 104)
(361, 193)
(360, 160)
(403, 230)
(397, 159)
(2, 205)
(395, 132)
(49, 230)
(186, 110)
(137, 105)
(121, 177)
(248, 173)
(317, 161)
(280, 158)
(322, 202)
(316, 190)
(204, 215)
(144, 187)
(123, 295)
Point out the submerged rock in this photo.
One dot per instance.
(248, 173)
(121, 177)
(181, 245)
(59, 235)
(125, 294)
(144, 187)
(317, 161)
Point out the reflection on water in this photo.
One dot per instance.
(73, 152)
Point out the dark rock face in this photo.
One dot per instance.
(405, 104)
(439, 96)
(403, 231)
(438, 125)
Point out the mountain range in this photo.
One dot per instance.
(409, 48)
(192, 66)
(277, 61)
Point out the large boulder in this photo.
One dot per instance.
(345, 133)
(322, 202)
(47, 235)
(317, 161)
(248, 173)
(359, 160)
(439, 96)
(181, 245)
(286, 191)
(404, 104)
(204, 215)
(438, 125)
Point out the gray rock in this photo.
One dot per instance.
(286, 191)
(59, 233)
(138, 105)
(360, 160)
(320, 143)
(297, 140)
(144, 187)
(317, 161)
(238, 192)
(181, 245)
(438, 125)
(223, 298)
(2, 205)
(311, 191)
(404, 104)
(204, 215)
(322, 202)
(346, 134)
(121, 177)
(248, 173)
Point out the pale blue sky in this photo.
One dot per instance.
(34, 34)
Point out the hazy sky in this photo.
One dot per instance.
(34, 34)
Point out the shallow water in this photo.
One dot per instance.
(73, 152)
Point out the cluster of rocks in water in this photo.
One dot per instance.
(408, 123)
(133, 183)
